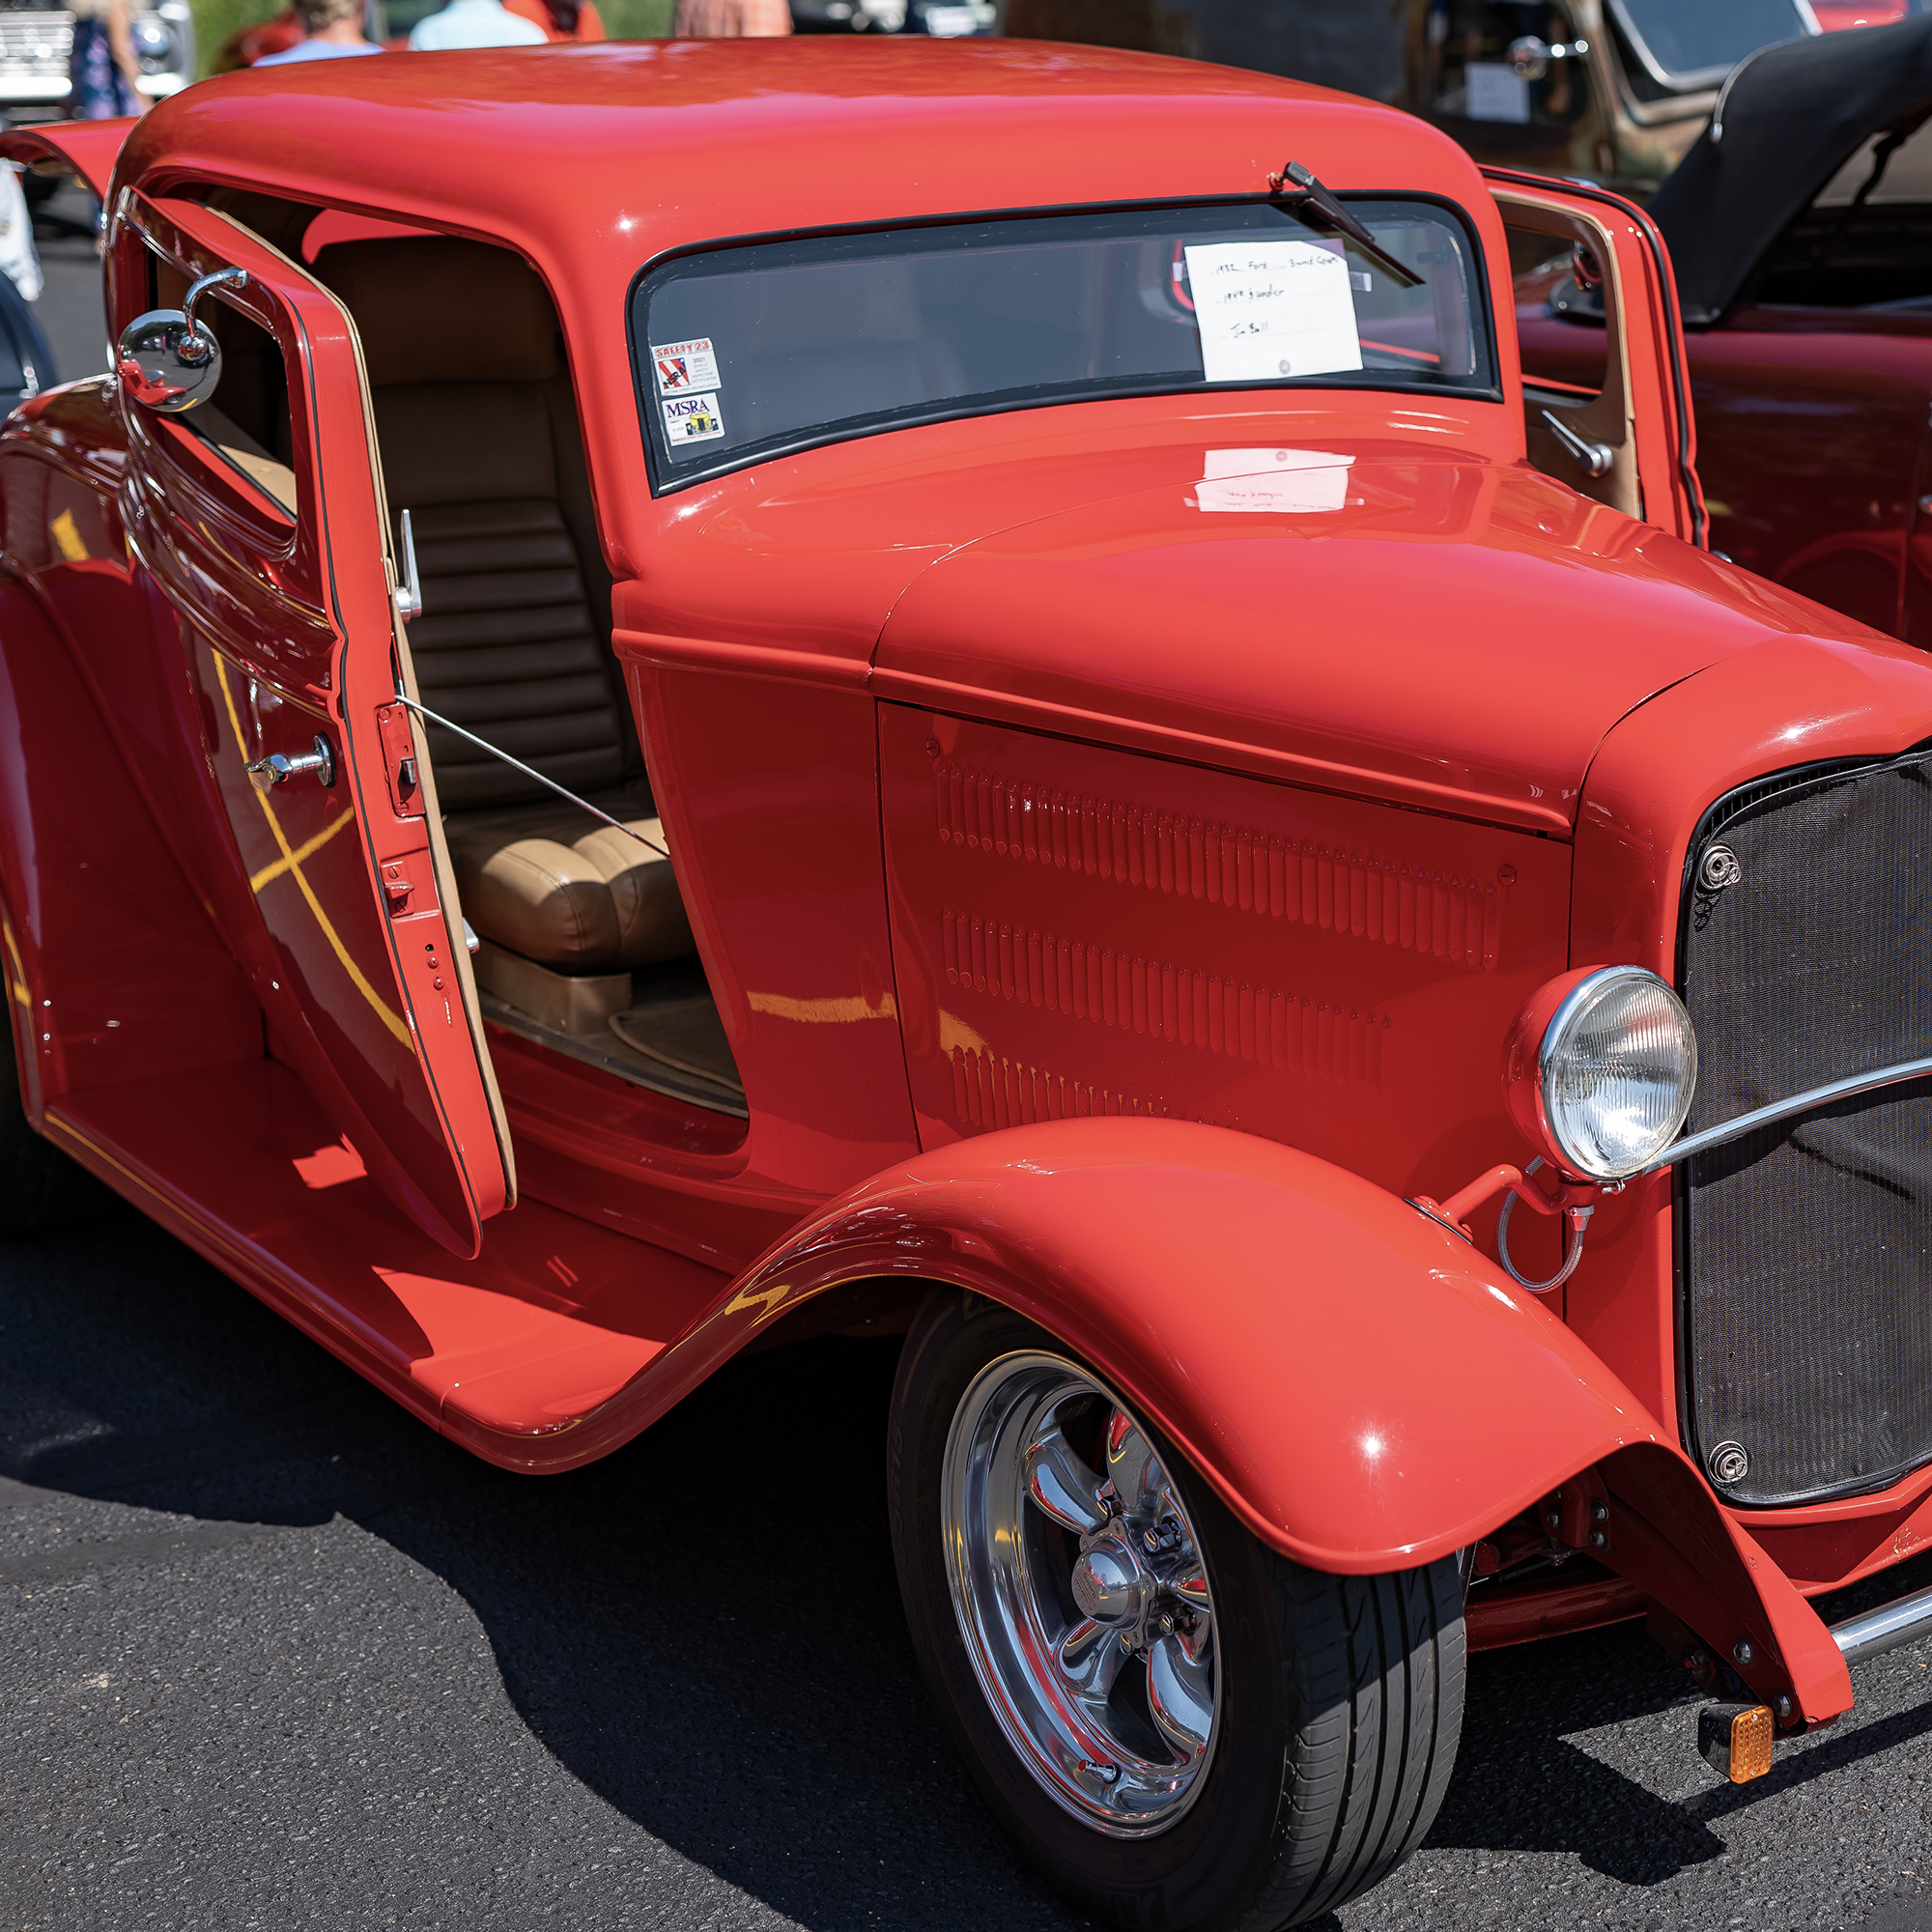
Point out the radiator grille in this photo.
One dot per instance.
(40, 42)
(1807, 1249)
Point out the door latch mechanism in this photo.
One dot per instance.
(278, 768)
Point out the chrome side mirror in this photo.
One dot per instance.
(165, 362)
(1529, 57)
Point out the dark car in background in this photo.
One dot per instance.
(1801, 230)
(1613, 90)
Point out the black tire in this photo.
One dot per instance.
(40, 1186)
(1342, 1698)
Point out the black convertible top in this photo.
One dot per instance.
(1790, 116)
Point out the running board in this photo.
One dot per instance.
(507, 1352)
(1735, 1740)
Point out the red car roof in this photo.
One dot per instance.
(649, 144)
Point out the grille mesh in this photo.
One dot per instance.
(1808, 1274)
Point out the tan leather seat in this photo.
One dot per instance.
(479, 440)
(558, 887)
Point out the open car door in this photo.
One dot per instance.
(1627, 437)
(257, 515)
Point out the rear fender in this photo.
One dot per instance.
(113, 972)
(89, 148)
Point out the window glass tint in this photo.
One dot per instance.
(778, 345)
(1865, 241)
(1695, 44)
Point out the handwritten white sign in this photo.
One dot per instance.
(1296, 482)
(1269, 309)
(1496, 93)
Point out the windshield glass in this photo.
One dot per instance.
(1696, 46)
(774, 346)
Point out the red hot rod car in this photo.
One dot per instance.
(969, 636)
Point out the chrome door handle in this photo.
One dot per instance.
(278, 768)
(1597, 458)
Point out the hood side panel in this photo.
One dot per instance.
(1080, 932)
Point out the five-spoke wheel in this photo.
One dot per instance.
(1081, 1591)
(1183, 1727)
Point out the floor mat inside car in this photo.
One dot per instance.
(670, 1038)
(684, 1035)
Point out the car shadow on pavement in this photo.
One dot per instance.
(1519, 1767)
(704, 1629)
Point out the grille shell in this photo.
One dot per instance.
(1806, 1250)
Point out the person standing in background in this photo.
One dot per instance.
(731, 19)
(17, 258)
(561, 19)
(474, 23)
(103, 66)
(330, 30)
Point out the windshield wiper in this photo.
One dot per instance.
(1294, 184)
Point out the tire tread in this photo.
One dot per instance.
(1376, 1664)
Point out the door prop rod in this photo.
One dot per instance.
(517, 764)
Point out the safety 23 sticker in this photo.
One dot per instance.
(683, 368)
(692, 419)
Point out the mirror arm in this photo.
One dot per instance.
(193, 348)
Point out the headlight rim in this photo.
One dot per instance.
(1582, 994)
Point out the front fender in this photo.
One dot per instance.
(1361, 1388)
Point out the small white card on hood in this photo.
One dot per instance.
(1269, 309)
(1299, 482)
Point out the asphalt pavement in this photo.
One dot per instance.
(274, 1654)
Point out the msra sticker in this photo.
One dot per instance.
(683, 368)
(692, 419)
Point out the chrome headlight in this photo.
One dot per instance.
(1615, 1072)
(153, 43)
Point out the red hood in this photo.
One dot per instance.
(1454, 634)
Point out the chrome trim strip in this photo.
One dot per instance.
(1885, 1628)
(1783, 1110)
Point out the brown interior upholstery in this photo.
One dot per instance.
(479, 441)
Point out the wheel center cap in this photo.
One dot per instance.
(1109, 1583)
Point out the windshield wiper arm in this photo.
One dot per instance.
(1295, 184)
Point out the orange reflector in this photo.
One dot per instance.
(1736, 1739)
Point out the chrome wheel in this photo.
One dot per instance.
(1081, 1593)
